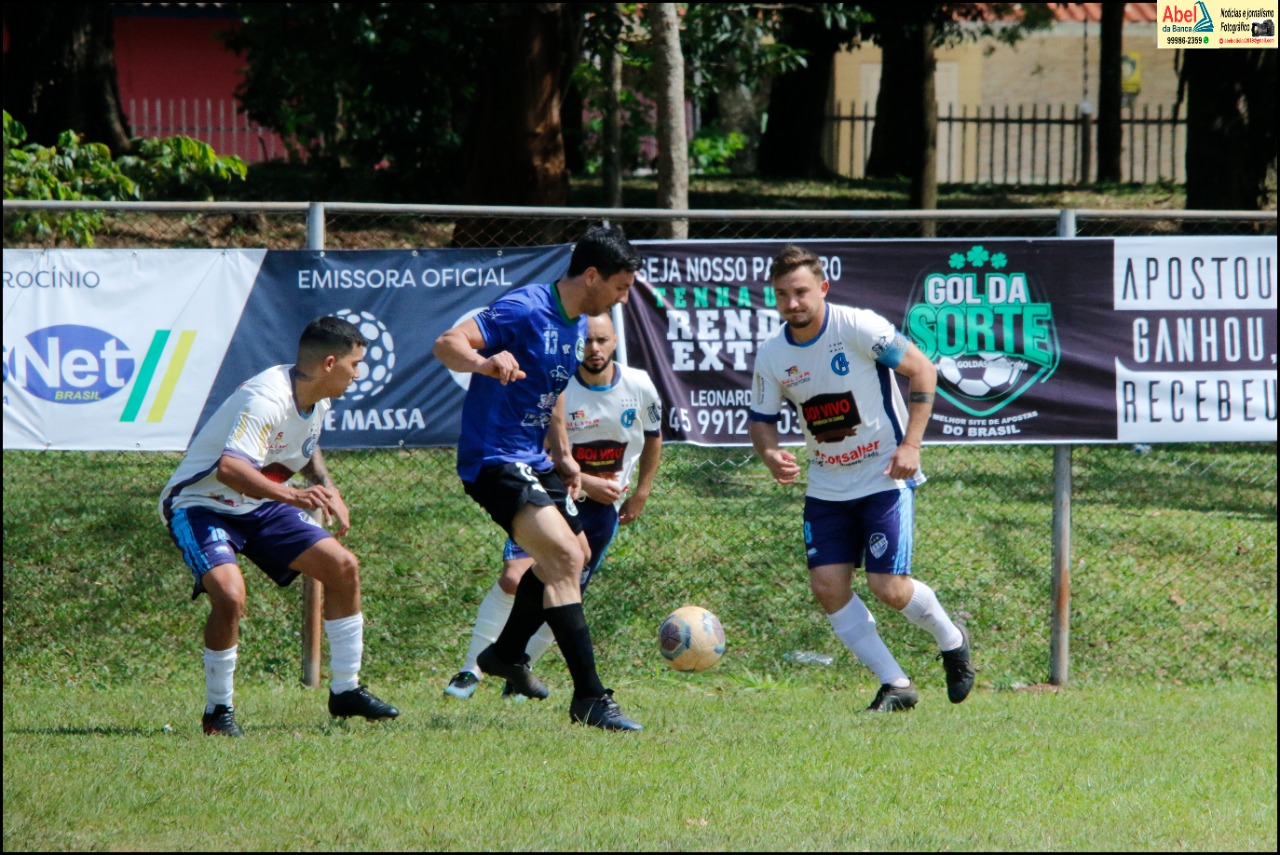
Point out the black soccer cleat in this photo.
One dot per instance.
(959, 669)
(894, 698)
(221, 722)
(359, 701)
(602, 712)
(509, 693)
(522, 680)
(462, 686)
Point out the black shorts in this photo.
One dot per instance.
(503, 490)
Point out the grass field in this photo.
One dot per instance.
(1164, 739)
(723, 765)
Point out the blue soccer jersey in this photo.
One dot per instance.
(508, 424)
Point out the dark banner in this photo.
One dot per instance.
(1023, 332)
(401, 300)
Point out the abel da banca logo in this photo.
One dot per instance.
(987, 329)
(75, 364)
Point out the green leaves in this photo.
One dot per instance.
(75, 170)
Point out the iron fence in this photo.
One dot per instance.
(1024, 145)
(1199, 521)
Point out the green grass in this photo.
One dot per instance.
(723, 765)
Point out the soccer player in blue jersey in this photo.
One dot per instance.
(522, 351)
(835, 364)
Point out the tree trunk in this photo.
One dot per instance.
(924, 175)
(896, 140)
(673, 142)
(516, 148)
(60, 73)
(1109, 131)
(1231, 121)
(791, 146)
(740, 107)
(611, 60)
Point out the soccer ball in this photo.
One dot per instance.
(691, 639)
(980, 375)
(379, 359)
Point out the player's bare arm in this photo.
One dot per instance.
(602, 488)
(561, 451)
(318, 474)
(457, 349)
(781, 463)
(921, 387)
(647, 468)
(243, 477)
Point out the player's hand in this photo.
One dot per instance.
(337, 510)
(503, 367)
(570, 474)
(782, 465)
(604, 490)
(905, 463)
(631, 509)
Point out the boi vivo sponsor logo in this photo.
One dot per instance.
(987, 328)
(76, 364)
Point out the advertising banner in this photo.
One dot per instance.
(116, 349)
(402, 301)
(1034, 340)
(1049, 340)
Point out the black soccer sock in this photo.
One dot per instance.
(569, 625)
(526, 618)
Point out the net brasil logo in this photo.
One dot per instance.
(74, 364)
(989, 335)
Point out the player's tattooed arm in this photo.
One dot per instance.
(920, 397)
(316, 472)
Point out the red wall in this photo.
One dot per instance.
(174, 57)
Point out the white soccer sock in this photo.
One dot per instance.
(490, 619)
(346, 649)
(924, 611)
(540, 643)
(219, 677)
(856, 627)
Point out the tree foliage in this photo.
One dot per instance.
(367, 86)
(76, 170)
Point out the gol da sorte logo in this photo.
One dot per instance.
(989, 330)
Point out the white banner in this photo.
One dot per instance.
(1199, 362)
(116, 349)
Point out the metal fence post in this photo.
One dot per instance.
(312, 591)
(1060, 620)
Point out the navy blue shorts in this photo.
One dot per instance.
(504, 489)
(599, 522)
(874, 531)
(271, 536)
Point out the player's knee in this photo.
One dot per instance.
(227, 601)
(893, 591)
(345, 571)
(827, 589)
(567, 560)
(509, 581)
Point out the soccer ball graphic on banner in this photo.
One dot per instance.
(379, 359)
(691, 639)
(980, 375)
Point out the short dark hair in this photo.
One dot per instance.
(329, 336)
(793, 257)
(606, 249)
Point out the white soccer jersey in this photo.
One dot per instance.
(607, 424)
(850, 407)
(259, 423)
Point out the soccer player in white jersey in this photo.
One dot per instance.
(229, 497)
(614, 420)
(834, 364)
